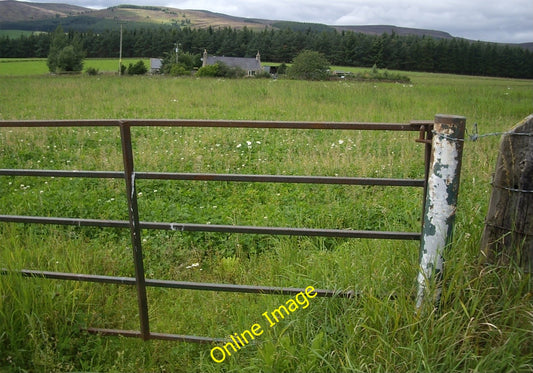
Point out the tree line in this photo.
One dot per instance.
(345, 48)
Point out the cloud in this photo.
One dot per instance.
(490, 21)
(301, 10)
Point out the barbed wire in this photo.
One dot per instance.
(476, 136)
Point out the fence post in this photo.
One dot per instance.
(441, 200)
(135, 229)
(508, 233)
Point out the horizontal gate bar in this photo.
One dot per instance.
(283, 231)
(187, 227)
(412, 126)
(152, 335)
(65, 221)
(281, 179)
(62, 173)
(187, 285)
(218, 177)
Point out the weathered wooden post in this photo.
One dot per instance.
(508, 233)
(441, 199)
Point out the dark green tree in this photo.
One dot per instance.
(65, 55)
(58, 41)
(69, 60)
(345, 48)
(183, 64)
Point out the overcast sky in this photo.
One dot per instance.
(486, 20)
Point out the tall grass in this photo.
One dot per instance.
(483, 324)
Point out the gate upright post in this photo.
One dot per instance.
(129, 176)
(441, 200)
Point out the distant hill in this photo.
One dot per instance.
(401, 31)
(19, 15)
(45, 17)
(528, 46)
(11, 10)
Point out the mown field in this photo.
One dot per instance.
(485, 320)
(37, 66)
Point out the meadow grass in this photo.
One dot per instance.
(483, 324)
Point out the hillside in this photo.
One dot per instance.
(402, 31)
(45, 17)
(20, 15)
(173, 16)
(11, 10)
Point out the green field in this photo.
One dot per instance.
(483, 324)
(15, 33)
(37, 66)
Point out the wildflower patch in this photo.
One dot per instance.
(238, 341)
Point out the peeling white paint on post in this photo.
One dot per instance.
(441, 200)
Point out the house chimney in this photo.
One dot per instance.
(258, 57)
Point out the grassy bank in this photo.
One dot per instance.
(484, 323)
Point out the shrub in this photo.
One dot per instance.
(376, 75)
(92, 71)
(309, 65)
(282, 69)
(69, 59)
(263, 74)
(210, 70)
(187, 60)
(179, 70)
(221, 70)
(230, 72)
(139, 68)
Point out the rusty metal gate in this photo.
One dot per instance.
(422, 129)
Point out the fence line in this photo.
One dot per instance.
(135, 224)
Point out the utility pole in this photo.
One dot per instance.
(177, 50)
(120, 53)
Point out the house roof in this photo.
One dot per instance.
(248, 64)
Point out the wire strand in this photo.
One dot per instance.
(476, 136)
